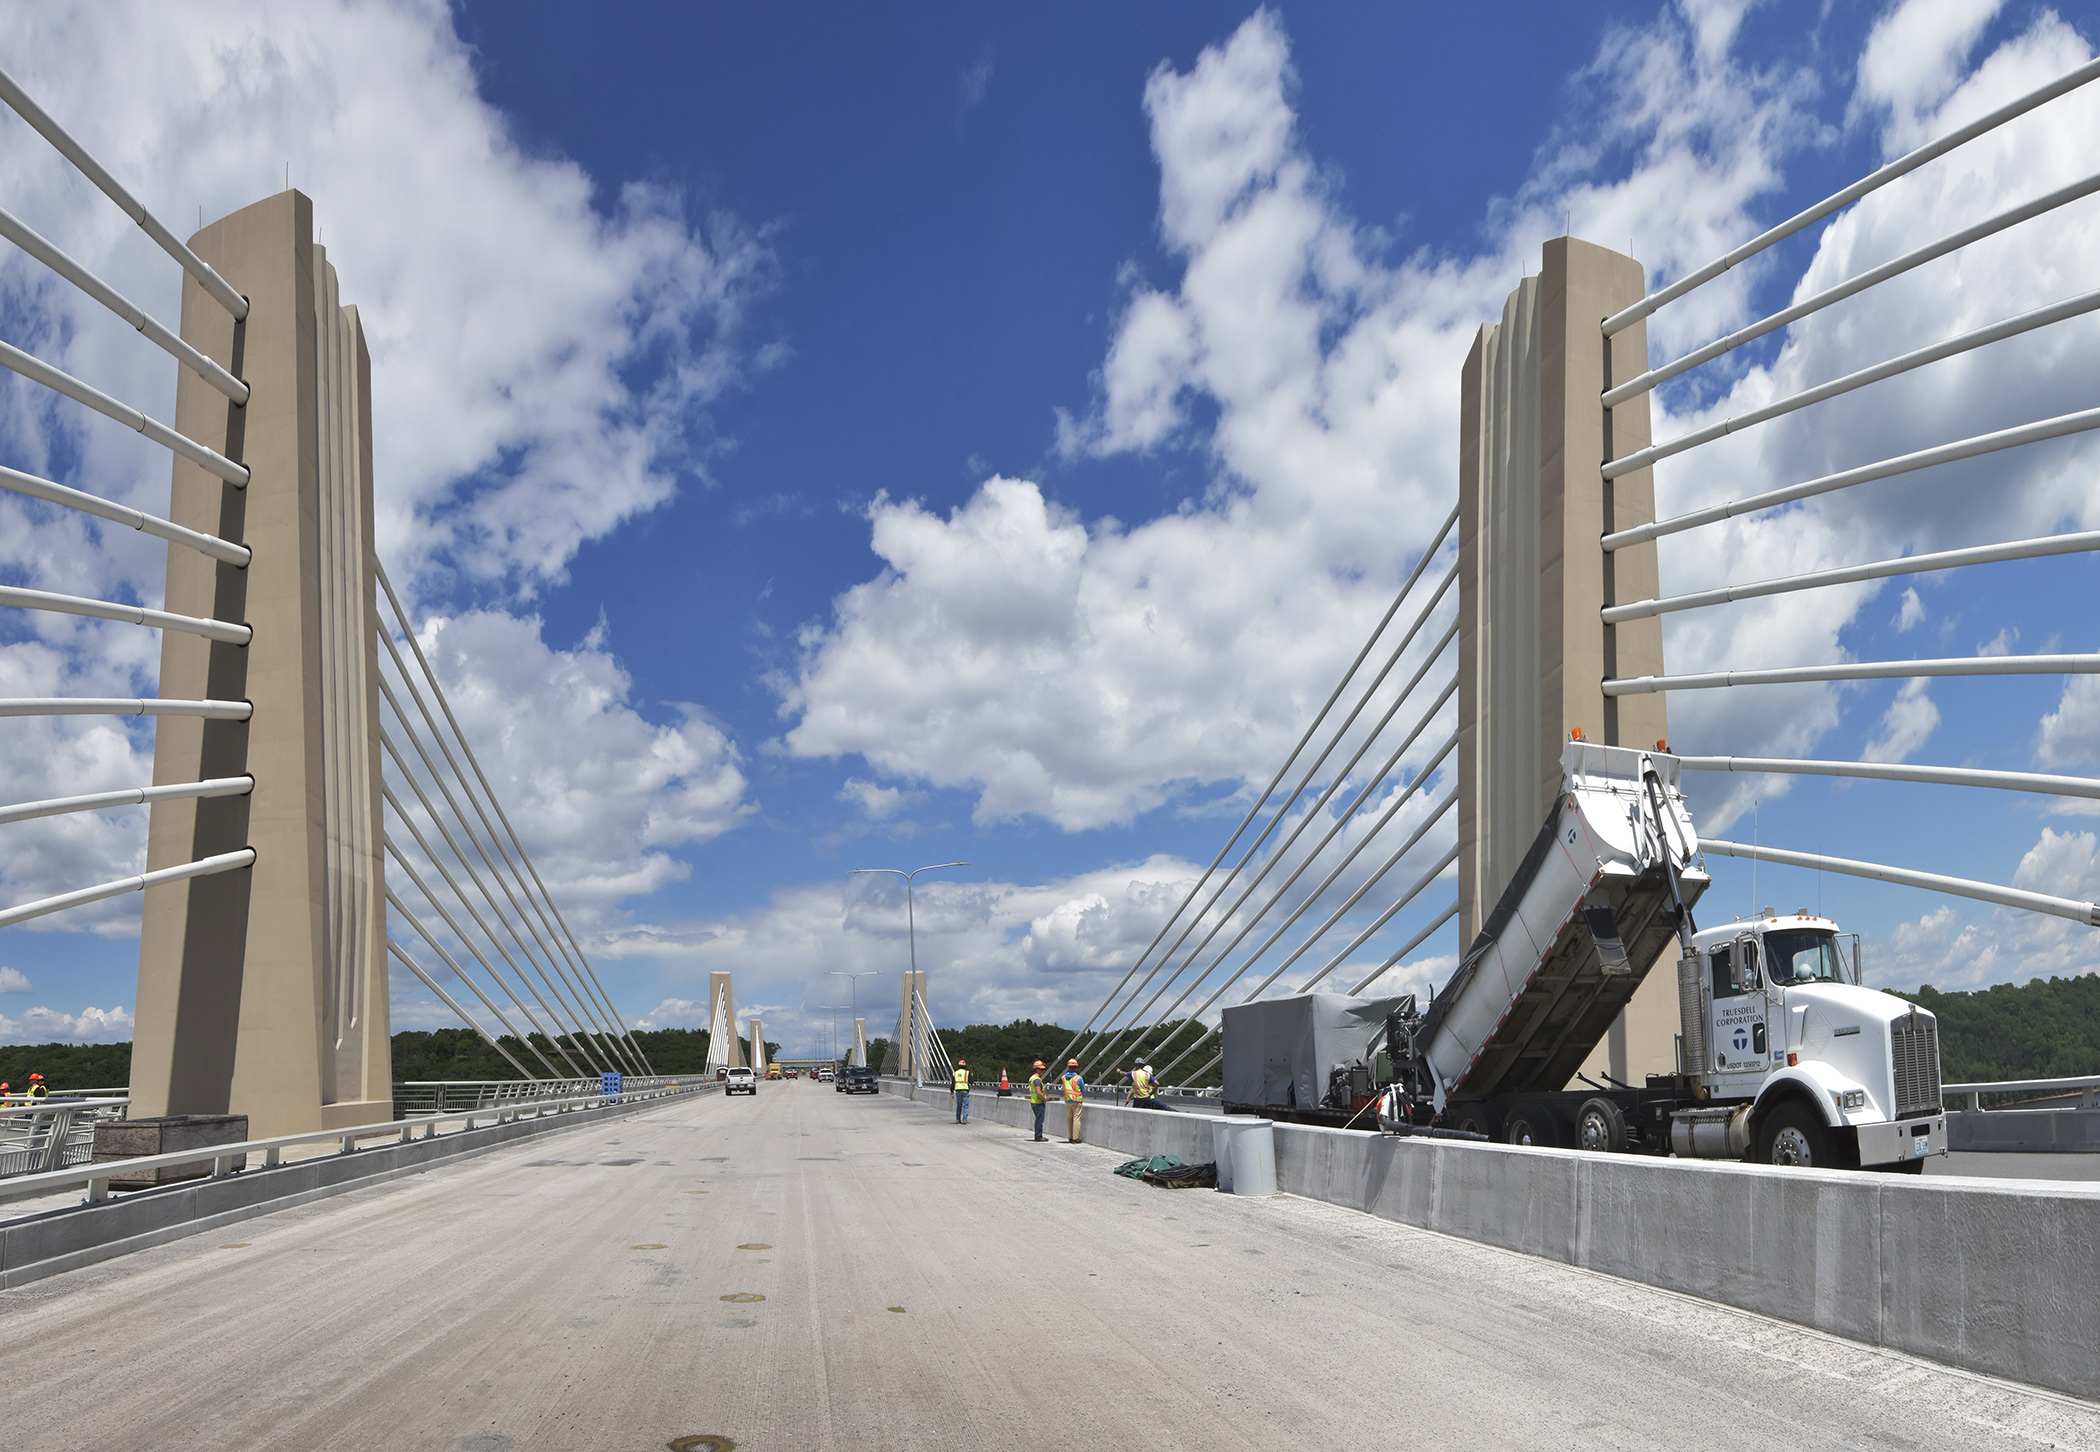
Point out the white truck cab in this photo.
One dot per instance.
(1804, 1064)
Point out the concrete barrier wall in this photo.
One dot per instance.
(1132, 1131)
(61, 1240)
(2029, 1131)
(1991, 1275)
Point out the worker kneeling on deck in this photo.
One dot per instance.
(1144, 1088)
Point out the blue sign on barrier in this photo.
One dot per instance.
(609, 1082)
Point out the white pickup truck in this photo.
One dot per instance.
(1784, 1057)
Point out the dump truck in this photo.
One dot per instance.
(1784, 1055)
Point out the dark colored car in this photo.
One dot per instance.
(858, 1079)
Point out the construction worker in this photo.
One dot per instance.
(1006, 1085)
(1075, 1100)
(38, 1089)
(1144, 1088)
(962, 1091)
(1038, 1098)
(7, 1098)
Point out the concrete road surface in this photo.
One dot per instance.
(814, 1270)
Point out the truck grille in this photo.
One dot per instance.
(1914, 1050)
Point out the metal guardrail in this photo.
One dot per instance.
(55, 1133)
(2088, 1083)
(440, 1096)
(225, 1157)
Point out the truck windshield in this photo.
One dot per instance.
(1804, 957)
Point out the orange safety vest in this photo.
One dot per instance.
(1075, 1087)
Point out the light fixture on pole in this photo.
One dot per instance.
(911, 931)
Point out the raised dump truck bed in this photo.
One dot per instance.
(1593, 905)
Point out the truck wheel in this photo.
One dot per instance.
(1794, 1134)
(1533, 1124)
(1600, 1125)
(1474, 1119)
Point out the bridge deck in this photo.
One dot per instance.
(569, 1293)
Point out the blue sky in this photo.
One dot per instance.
(844, 438)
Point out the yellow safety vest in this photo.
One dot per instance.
(1036, 1094)
(962, 1080)
(36, 1091)
(1075, 1088)
(1141, 1083)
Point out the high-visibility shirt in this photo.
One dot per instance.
(1075, 1087)
(962, 1081)
(1036, 1092)
(38, 1091)
(1141, 1083)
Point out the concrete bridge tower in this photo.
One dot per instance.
(264, 992)
(1533, 651)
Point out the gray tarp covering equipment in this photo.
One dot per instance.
(1278, 1051)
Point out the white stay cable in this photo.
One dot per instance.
(386, 741)
(1318, 808)
(588, 1017)
(401, 860)
(584, 969)
(452, 1003)
(579, 1034)
(1400, 799)
(1376, 631)
(586, 1021)
(1284, 805)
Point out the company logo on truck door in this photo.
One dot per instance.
(1742, 1037)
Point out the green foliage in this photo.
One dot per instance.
(460, 1053)
(2047, 1029)
(877, 1049)
(66, 1067)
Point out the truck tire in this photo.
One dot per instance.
(1538, 1125)
(1794, 1134)
(1475, 1118)
(1600, 1125)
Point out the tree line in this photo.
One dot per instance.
(2043, 1029)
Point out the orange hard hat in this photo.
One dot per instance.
(960, 1062)
(1071, 1063)
(1038, 1063)
(36, 1076)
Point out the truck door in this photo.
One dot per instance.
(1738, 1036)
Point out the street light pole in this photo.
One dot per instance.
(911, 929)
(854, 980)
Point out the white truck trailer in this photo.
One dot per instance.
(1784, 1056)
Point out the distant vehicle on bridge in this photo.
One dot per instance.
(859, 1079)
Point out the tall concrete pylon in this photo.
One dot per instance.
(264, 992)
(860, 1043)
(758, 1046)
(724, 1049)
(1533, 651)
(902, 1058)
